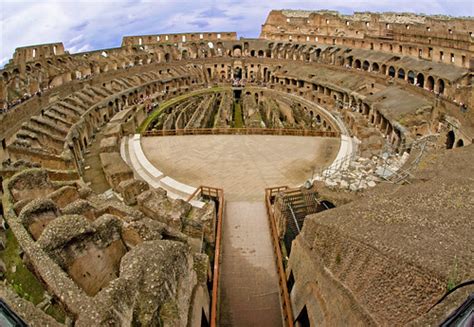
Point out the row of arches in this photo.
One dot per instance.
(430, 83)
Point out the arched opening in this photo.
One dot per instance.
(440, 86)
(357, 64)
(450, 140)
(383, 70)
(252, 53)
(167, 57)
(420, 80)
(459, 143)
(391, 71)
(318, 54)
(238, 73)
(365, 65)
(430, 83)
(260, 53)
(349, 61)
(375, 67)
(411, 77)
(237, 51)
(401, 74)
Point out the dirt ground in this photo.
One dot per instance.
(243, 165)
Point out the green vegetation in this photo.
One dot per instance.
(23, 281)
(453, 276)
(166, 104)
(238, 121)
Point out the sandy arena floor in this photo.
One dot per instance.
(243, 165)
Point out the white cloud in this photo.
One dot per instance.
(85, 25)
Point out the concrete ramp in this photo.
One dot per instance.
(249, 290)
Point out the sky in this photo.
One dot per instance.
(84, 25)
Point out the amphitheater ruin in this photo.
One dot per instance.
(321, 174)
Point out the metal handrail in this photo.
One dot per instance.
(219, 194)
(241, 131)
(284, 295)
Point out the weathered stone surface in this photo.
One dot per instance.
(130, 189)
(80, 207)
(156, 205)
(37, 214)
(155, 284)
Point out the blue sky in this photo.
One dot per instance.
(84, 25)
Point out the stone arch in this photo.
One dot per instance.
(420, 80)
(365, 65)
(440, 85)
(430, 83)
(411, 77)
(450, 138)
(237, 51)
(401, 73)
(167, 57)
(391, 71)
(350, 61)
(459, 143)
(357, 64)
(260, 54)
(375, 67)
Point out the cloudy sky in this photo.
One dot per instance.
(85, 25)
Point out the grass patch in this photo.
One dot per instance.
(166, 104)
(23, 281)
(453, 277)
(238, 121)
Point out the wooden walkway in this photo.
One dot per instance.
(249, 291)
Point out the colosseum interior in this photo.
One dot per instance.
(321, 174)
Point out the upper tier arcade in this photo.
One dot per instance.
(434, 38)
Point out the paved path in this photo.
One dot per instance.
(249, 281)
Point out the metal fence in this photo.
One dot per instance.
(217, 195)
(241, 131)
(270, 194)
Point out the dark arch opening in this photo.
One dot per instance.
(365, 65)
(357, 63)
(420, 80)
(375, 67)
(238, 73)
(430, 83)
(391, 71)
(460, 143)
(411, 77)
(450, 140)
(440, 86)
(401, 73)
